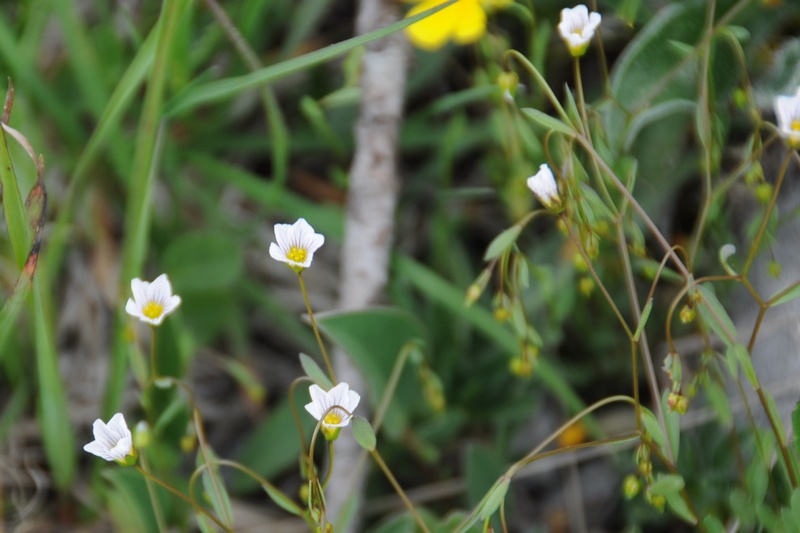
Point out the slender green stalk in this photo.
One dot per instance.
(513, 54)
(151, 492)
(185, 498)
(142, 181)
(391, 385)
(316, 329)
(388, 473)
(153, 367)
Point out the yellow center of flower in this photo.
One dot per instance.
(332, 418)
(298, 255)
(795, 126)
(152, 310)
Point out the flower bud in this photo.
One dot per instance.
(508, 83)
(544, 187)
(678, 403)
(631, 486)
(775, 269)
(586, 286)
(764, 192)
(687, 314)
(501, 314)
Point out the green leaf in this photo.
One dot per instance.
(282, 500)
(502, 242)
(228, 87)
(743, 358)
(373, 339)
(643, 321)
(548, 122)
(203, 261)
(312, 370)
(715, 316)
(363, 433)
(665, 484)
(13, 208)
(796, 428)
(654, 114)
(791, 292)
(494, 498)
(653, 429)
(712, 524)
(679, 506)
(213, 485)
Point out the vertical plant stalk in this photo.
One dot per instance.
(322, 349)
(372, 198)
(141, 183)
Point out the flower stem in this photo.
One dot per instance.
(315, 328)
(153, 369)
(185, 498)
(399, 490)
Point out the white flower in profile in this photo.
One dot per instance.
(151, 302)
(112, 442)
(333, 408)
(296, 244)
(787, 110)
(544, 186)
(577, 28)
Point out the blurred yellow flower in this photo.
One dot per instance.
(464, 22)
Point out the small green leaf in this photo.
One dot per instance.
(502, 242)
(653, 429)
(713, 525)
(680, 508)
(494, 498)
(790, 295)
(715, 316)
(363, 433)
(743, 357)
(548, 122)
(796, 428)
(282, 500)
(643, 321)
(666, 484)
(313, 371)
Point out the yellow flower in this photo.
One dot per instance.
(464, 22)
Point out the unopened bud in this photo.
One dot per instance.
(142, 437)
(520, 366)
(508, 82)
(678, 403)
(687, 314)
(775, 269)
(501, 314)
(586, 286)
(631, 486)
(764, 192)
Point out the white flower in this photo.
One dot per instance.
(296, 244)
(335, 407)
(543, 184)
(577, 28)
(112, 442)
(151, 302)
(787, 109)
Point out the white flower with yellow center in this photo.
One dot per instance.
(577, 28)
(787, 109)
(544, 186)
(151, 302)
(113, 442)
(296, 244)
(333, 408)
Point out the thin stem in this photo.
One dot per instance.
(185, 498)
(153, 369)
(662, 241)
(399, 490)
(637, 310)
(706, 134)
(767, 214)
(207, 456)
(391, 385)
(315, 328)
(596, 278)
(513, 54)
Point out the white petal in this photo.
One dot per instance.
(132, 309)
(281, 233)
(118, 427)
(99, 450)
(352, 400)
(139, 290)
(277, 253)
(171, 304)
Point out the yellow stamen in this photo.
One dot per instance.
(332, 418)
(298, 255)
(795, 126)
(152, 310)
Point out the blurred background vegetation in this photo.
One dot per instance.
(173, 158)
